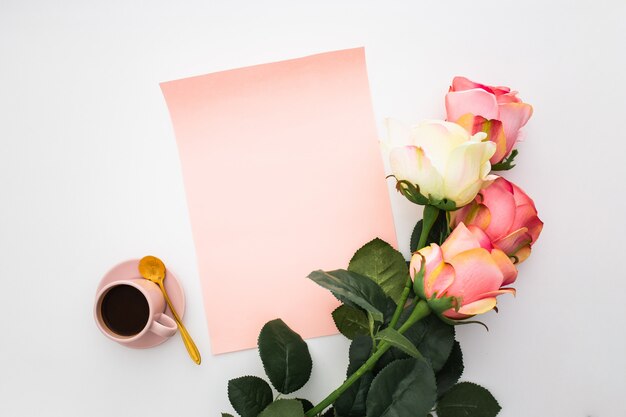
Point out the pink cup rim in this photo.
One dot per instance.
(106, 330)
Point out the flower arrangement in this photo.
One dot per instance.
(400, 316)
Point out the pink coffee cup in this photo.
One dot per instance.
(127, 310)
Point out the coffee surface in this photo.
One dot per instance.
(125, 310)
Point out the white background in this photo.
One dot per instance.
(90, 176)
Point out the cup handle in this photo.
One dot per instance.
(163, 325)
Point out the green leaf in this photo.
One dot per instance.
(359, 352)
(285, 356)
(411, 192)
(468, 400)
(506, 163)
(437, 234)
(451, 371)
(395, 339)
(350, 321)
(432, 338)
(384, 265)
(249, 395)
(391, 308)
(306, 404)
(372, 327)
(352, 402)
(226, 415)
(329, 413)
(404, 388)
(353, 289)
(283, 408)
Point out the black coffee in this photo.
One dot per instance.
(125, 310)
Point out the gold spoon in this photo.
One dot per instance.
(153, 269)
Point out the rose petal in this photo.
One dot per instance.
(480, 217)
(523, 253)
(463, 214)
(415, 265)
(476, 273)
(411, 164)
(473, 214)
(476, 101)
(481, 237)
(521, 197)
(438, 280)
(500, 292)
(513, 117)
(478, 307)
(501, 90)
(462, 83)
(499, 198)
(510, 97)
(451, 314)
(460, 240)
(464, 172)
(438, 139)
(493, 128)
(524, 215)
(472, 309)
(513, 242)
(534, 226)
(506, 266)
(433, 256)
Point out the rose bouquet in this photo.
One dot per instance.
(400, 316)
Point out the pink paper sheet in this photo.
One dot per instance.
(283, 176)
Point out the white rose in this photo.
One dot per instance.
(440, 158)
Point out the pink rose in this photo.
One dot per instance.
(494, 110)
(507, 216)
(464, 275)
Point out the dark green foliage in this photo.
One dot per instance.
(384, 265)
(397, 340)
(283, 408)
(329, 413)
(451, 371)
(352, 402)
(285, 356)
(506, 163)
(404, 388)
(353, 289)
(306, 404)
(351, 321)
(468, 400)
(432, 338)
(437, 234)
(249, 395)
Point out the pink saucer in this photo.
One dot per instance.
(128, 270)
